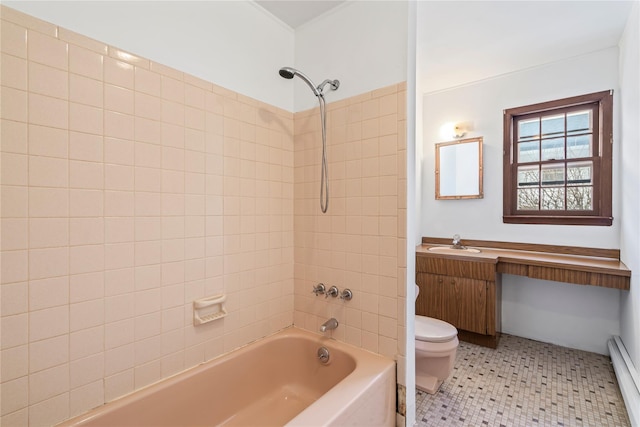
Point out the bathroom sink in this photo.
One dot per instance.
(450, 250)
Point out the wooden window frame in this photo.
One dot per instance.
(601, 214)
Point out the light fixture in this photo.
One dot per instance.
(459, 130)
(453, 130)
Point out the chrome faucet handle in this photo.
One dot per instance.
(346, 295)
(333, 291)
(318, 289)
(457, 242)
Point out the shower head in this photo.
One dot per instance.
(288, 73)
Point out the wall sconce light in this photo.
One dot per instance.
(453, 130)
(459, 130)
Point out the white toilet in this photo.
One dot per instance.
(436, 345)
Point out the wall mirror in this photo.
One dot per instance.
(459, 169)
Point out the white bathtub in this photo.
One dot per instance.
(273, 382)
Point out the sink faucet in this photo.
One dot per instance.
(456, 242)
(329, 325)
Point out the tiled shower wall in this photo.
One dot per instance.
(360, 242)
(128, 190)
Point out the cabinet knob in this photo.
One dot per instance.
(439, 280)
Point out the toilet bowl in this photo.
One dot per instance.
(436, 345)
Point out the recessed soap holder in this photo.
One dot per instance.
(208, 309)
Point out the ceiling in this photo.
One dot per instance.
(295, 13)
(462, 41)
(459, 42)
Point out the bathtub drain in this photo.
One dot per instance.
(323, 355)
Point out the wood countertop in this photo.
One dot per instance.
(585, 266)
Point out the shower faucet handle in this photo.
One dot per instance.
(333, 291)
(318, 289)
(346, 295)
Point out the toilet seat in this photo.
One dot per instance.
(433, 330)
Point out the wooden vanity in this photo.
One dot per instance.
(464, 288)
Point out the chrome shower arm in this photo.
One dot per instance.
(335, 84)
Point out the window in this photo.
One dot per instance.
(557, 161)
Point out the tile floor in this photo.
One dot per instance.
(525, 383)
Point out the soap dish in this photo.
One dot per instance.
(208, 309)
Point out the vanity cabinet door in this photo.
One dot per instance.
(456, 300)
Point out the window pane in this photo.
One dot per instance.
(579, 198)
(528, 176)
(528, 152)
(579, 173)
(528, 199)
(553, 125)
(579, 122)
(578, 146)
(552, 199)
(552, 175)
(528, 129)
(553, 149)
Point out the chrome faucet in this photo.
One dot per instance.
(329, 325)
(318, 289)
(333, 292)
(457, 242)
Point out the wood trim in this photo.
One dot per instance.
(531, 247)
(603, 172)
(558, 220)
(456, 267)
(490, 341)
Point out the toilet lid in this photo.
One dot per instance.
(434, 330)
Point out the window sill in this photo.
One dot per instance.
(558, 220)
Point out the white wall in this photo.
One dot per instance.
(531, 308)
(362, 43)
(234, 44)
(482, 105)
(630, 183)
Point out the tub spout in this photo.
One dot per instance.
(329, 325)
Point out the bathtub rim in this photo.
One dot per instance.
(370, 368)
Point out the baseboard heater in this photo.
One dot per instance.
(628, 379)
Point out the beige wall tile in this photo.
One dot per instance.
(48, 172)
(48, 141)
(15, 363)
(85, 62)
(48, 323)
(48, 293)
(14, 39)
(118, 99)
(13, 104)
(84, 118)
(86, 342)
(14, 266)
(85, 90)
(14, 137)
(48, 81)
(48, 353)
(47, 111)
(84, 146)
(148, 82)
(118, 73)
(87, 175)
(47, 50)
(14, 72)
(86, 397)
(15, 395)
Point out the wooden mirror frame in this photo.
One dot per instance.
(480, 193)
